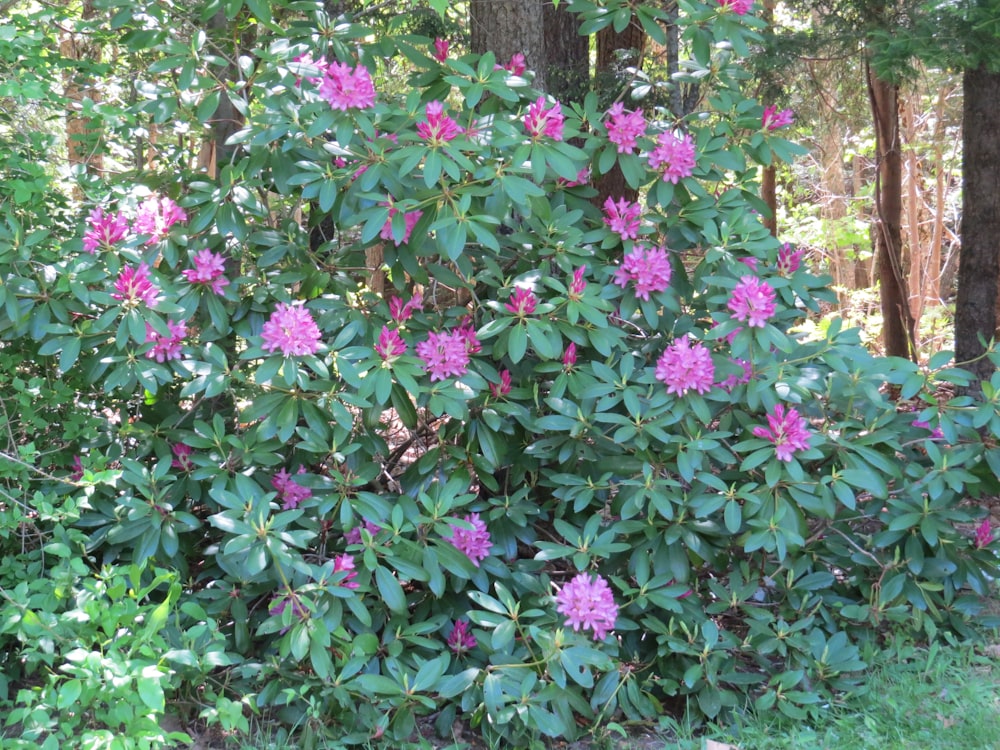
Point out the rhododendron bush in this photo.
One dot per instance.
(559, 460)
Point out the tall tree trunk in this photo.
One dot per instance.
(506, 27)
(979, 261)
(915, 258)
(226, 119)
(82, 139)
(897, 323)
(567, 54)
(768, 177)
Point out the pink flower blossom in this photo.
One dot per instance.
(104, 230)
(390, 344)
(290, 492)
(625, 127)
(787, 430)
(569, 356)
(155, 217)
(474, 542)
(209, 269)
(517, 64)
(439, 128)
(298, 608)
(984, 534)
(182, 457)
(750, 262)
(773, 119)
(501, 389)
(752, 301)
(673, 156)
(166, 347)
(410, 220)
(445, 354)
(347, 88)
(936, 432)
(648, 269)
(577, 286)
(686, 368)
(342, 563)
(290, 330)
(354, 535)
(789, 260)
(588, 604)
(734, 380)
(401, 311)
(77, 474)
(522, 302)
(541, 121)
(623, 217)
(739, 7)
(582, 178)
(440, 50)
(461, 640)
(133, 287)
(306, 59)
(468, 333)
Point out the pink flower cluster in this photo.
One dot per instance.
(390, 344)
(578, 285)
(569, 356)
(624, 127)
(789, 259)
(522, 302)
(623, 217)
(401, 311)
(773, 119)
(104, 230)
(515, 66)
(342, 563)
(438, 128)
(354, 535)
(588, 604)
(739, 7)
(787, 430)
(209, 271)
(133, 287)
(347, 88)
(155, 216)
(984, 534)
(182, 457)
(446, 353)
(673, 156)
(410, 219)
(734, 380)
(647, 269)
(166, 347)
(461, 640)
(475, 543)
(684, 368)
(290, 492)
(752, 301)
(544, 121)
(501, 389)
(290, 330)
(440, 50)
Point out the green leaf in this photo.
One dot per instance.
(390, 590)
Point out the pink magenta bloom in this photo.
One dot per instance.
(440, 49)
(342, 563)
(577, 286)
(739, 7)
(347, 88)
(390, 344)
(354, 535)
(541, 121)
(588, 604)
(501, 389)
(673, 156)
(517, 64)
(622, 217)
(209, 269)
(182, 457)
(290, 492)
(624, 127)
(474, 542)
(104, 230)
(789, 260)
(648, 269)
(77, 474)
(445, 354)
(686, 368)
(468, 333)
(787, 430)
(773, 119)
(522, 302)
(410, 220)
(582, 178)
(752, 301)
(155, 217)
(290, 330)
(569, 356)
(400, 311)
(734, 380)
(461, 640)
(166, 347)
(133, 287)
(439, 128)
(984, 534)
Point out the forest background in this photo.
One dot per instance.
(384, 365)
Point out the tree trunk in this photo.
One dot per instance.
(567, 54)
(82, 139)
(506, 27)
(897, 323)
(226, 119)
(979, 261)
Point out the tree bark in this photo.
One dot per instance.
(227, 119)
(567, 54)
(506, 27)
(81, 136)
(979, 261)
(897, 323)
